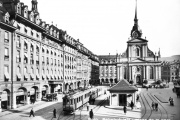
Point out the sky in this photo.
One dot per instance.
(104, 26)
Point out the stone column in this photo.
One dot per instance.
(118, 72)
(110, 100)
(144, 72)
(14, 101)
(156, 72)
(28, 99)
(130, 75)
(147, 72)
(159, 72)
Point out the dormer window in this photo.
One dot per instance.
(18, 8)
(7, 18)
(31, 17)
(50, 31)
(25, 13)
(57, 35)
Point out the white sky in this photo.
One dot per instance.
(104, 26)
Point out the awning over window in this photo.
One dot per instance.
(37, 75)
(32, 76)
(48, 76)
(26, 75)
(19, 76)
(25, 54)
(7, 75)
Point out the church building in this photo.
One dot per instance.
(138, 62)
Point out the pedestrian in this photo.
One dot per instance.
(170, 99)
(125, 109)
(54, 113)
(156, 106)
(147, 88)
(87, 106)
(153, 105)
(132, 105)
(137, 99)
(91, 115)
(31, 113)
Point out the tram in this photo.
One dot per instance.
(72, 102)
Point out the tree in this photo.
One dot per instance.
(145, 81)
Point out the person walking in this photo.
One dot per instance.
(54, 113)
(31, 113)
(156, 106)
(87, 106)
(125, 109)
(91, 115)
(132, 105)
(153, 105)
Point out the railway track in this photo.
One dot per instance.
(148, 109)
(164, 115)
(149, 113)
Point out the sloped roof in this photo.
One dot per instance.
(123, 86)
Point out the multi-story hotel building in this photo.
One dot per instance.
(165, 71)
(108, 69)
(37, 58)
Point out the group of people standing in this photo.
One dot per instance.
(155, 106)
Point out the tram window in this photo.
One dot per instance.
(71, 101)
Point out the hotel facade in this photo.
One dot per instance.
(38, 58)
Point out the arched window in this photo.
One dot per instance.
(137, 52)
(151, 73)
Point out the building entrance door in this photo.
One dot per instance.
(138, 79)
(122, 99)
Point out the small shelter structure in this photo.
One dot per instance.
(122, 93)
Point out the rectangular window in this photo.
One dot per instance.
(6, 54)
(18, 58)
(18, 43)
(6, 73)
(37, 59)
(6, 37)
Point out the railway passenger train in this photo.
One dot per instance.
(72, 102)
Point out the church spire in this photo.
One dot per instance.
(136, 32)
(135, 18)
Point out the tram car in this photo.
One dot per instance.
(72, 102)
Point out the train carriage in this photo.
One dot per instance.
(74, 101)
